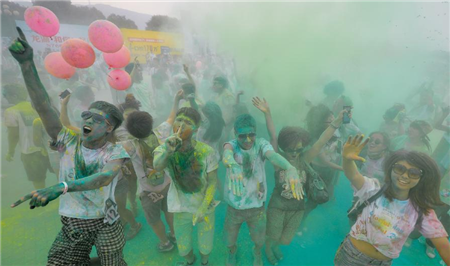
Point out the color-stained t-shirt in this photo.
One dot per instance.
(188, 173)
(149, 180)
(252, 162)
(386, 225)
(22, 116)
(85, 204)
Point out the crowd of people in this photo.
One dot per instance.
(164, 138)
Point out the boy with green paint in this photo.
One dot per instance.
(192, 167)
(89, 164)
(246, 187)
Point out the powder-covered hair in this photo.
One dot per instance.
(114, 115)
(244, 120)
(289, 136)
(139, 124)
(191, 113)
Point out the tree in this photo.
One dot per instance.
(163, 23)
(122, 21)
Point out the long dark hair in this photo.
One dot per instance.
(316, 118)
(425, 195)
(213, 112)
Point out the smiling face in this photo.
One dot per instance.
(405, 176)
(94, 126)
(188, 126)
(246, 137)
(376, 144)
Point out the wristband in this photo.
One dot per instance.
(66, 188)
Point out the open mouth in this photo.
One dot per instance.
(87, 130)
(403, 182)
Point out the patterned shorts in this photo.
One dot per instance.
(74, 242)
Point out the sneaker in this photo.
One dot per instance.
(257, 259)
(165, 247)
(185, 263)
(231, 259)
(133, 232)
(431, 253)
(171, 237)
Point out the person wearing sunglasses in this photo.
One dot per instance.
(89, 165)
(285, 213)
(411, 191)
(377, 150)
(245, 189)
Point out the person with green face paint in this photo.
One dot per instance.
(245, 185)
(192, 167)
(89, 165)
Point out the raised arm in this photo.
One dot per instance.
(350, 154)
(263, 106)
(172, 144)
(188, 74)
(23, 53)
(176, 102)
(64, 116)
(324, 138)
(42, 197)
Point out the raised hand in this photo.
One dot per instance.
(262, 105)
(236, 180)
(65, 100)
(185, 68)
(353, 147)
(173, 143)
(41, 197)
(20, 49)
(179, 95)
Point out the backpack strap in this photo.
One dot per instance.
(356, 209)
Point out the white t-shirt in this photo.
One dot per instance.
(252, 162)
(188, 173)
(386, 225)
(86, 204)
(22, 115)
(157, 181)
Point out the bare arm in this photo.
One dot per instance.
(42, 197)
(324, 138)
(172, 144)
(350, 153)
(188, 74)
(13, 140)
(443, 247)
(64, 116)
(174, 110)
(23, 53)
(263, 106)
(209, 196)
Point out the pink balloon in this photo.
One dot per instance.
(105, 36)
(42, 21)
(118, 59)
(119, 79)
(56, 65)
(78, 53)
(198, 64)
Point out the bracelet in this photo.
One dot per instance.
(66, 188)
(334, 126)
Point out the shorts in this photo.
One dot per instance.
(282, 225)
(256, 223)
(74, 242)
(153, 203)
(184, 230)
(347, 255)
(35, 165)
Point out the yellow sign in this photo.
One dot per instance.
(144, 43)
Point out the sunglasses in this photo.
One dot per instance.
(249, 135)
(376, 142)
(294, 151)
(413, 173)
(97, 118)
